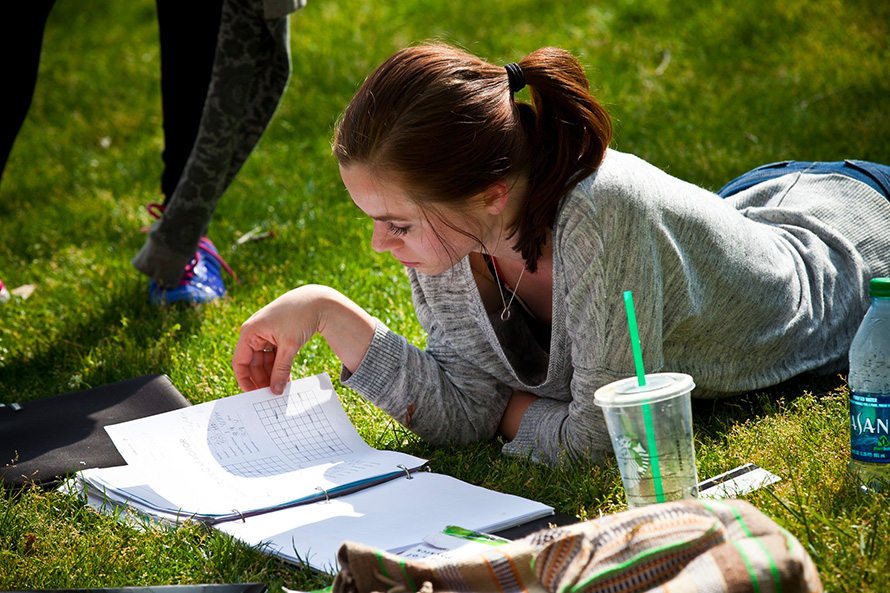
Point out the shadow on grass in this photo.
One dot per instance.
(122, 336)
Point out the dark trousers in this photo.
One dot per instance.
(188, 31)
(21, 36)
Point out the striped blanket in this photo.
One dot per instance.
(690, 546)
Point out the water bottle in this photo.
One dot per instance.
(869, 381)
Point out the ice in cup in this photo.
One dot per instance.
(651, 431)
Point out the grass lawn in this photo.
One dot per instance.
(704, 90)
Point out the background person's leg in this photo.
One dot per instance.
(188, 33)
(21, 39)
(250, 73)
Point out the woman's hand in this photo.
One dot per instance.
(272, 337)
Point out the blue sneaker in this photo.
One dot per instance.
(201, 280)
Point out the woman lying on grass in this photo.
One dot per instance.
(521, 230)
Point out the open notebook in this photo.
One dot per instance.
(292, 473)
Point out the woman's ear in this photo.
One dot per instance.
(496, 197)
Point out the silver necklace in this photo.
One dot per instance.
(505, 314)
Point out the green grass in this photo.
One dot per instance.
(703, 90)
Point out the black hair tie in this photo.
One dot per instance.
(515, 77)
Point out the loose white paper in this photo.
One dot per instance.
(253, 451)
(736, 482)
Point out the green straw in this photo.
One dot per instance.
(634, 337)
(641, 380)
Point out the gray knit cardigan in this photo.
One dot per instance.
(740, 293)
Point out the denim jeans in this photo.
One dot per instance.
(873, 174)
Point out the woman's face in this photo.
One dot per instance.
(428, 245)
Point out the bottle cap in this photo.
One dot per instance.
(879, 287)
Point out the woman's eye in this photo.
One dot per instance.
(398, 230)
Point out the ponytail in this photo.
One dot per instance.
(571, 132)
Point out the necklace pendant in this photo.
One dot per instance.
(505, 314)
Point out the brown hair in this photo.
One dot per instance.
(444, 122)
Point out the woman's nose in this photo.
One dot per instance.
(381, 239)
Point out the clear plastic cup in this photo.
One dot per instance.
(651, 432)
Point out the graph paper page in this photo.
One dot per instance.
(249, 451)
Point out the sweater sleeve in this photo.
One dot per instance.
(442, 393)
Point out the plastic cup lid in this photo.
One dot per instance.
(628, 392)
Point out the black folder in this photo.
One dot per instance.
(46, 440)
